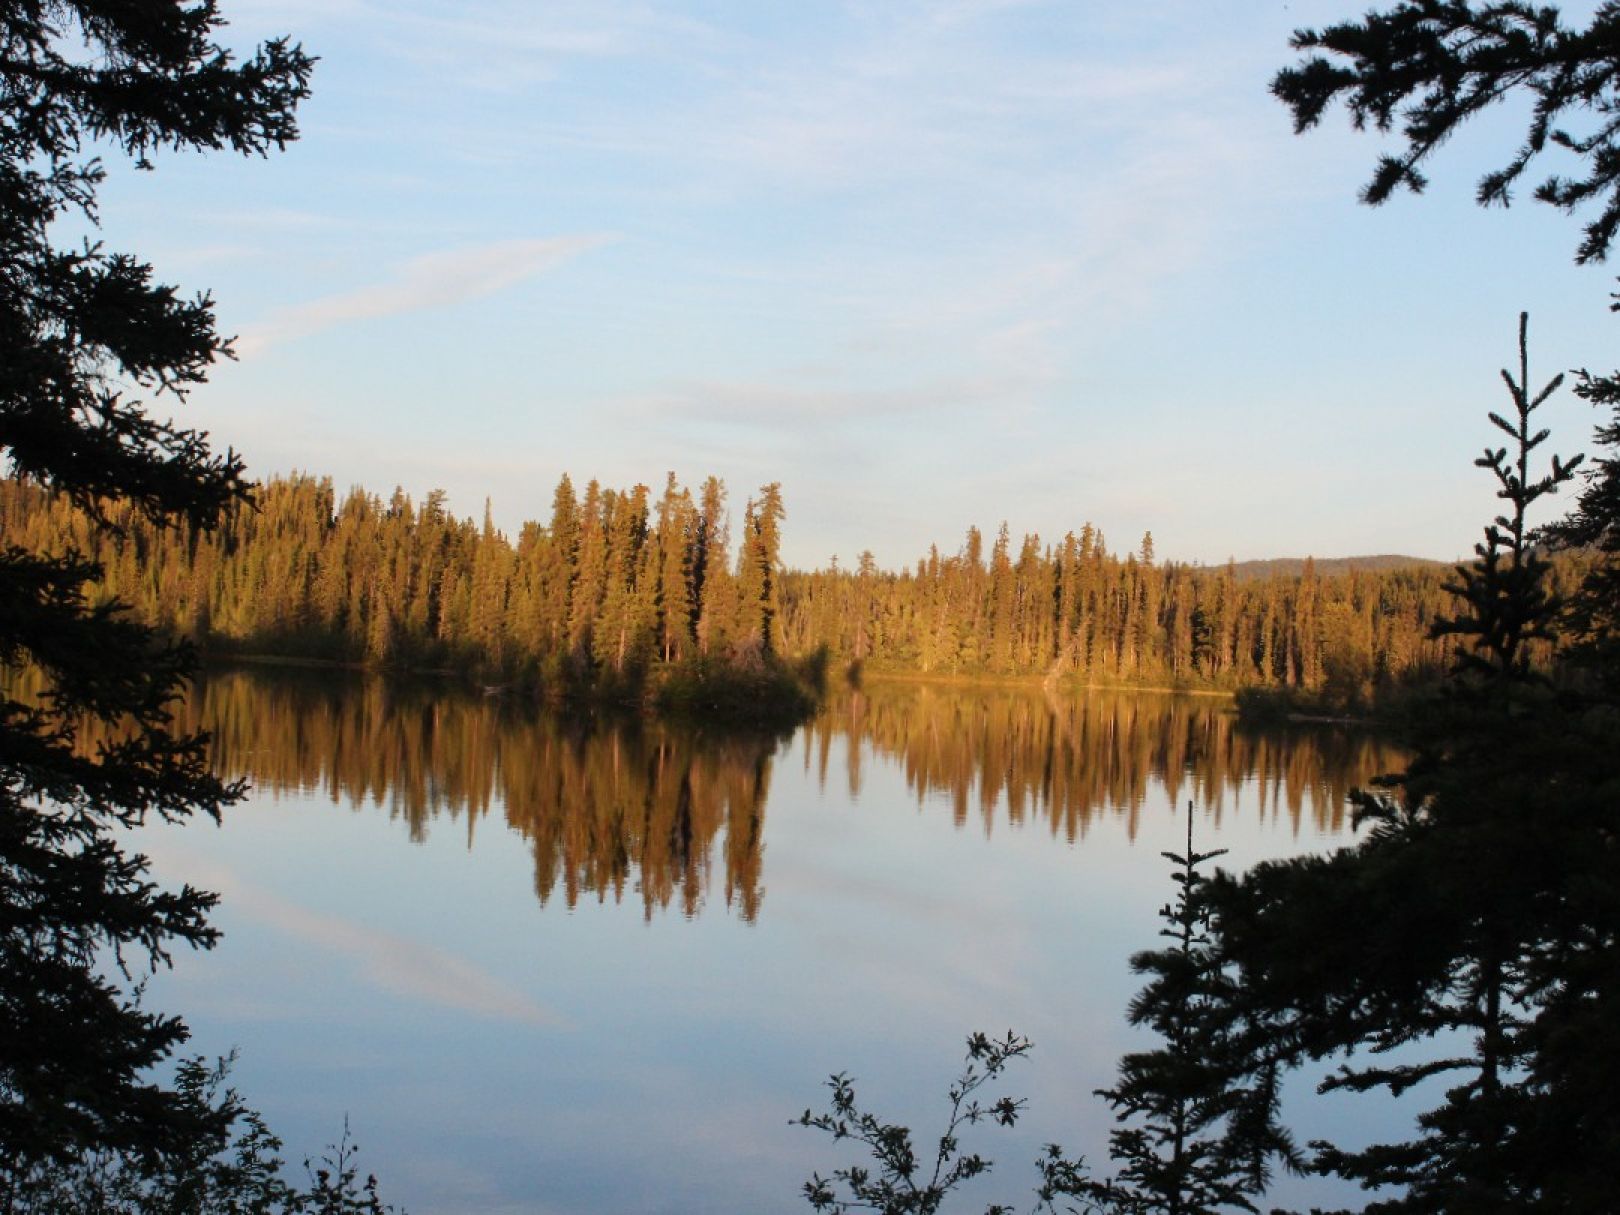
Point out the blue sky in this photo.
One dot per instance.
(926, 264)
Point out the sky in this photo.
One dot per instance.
(928, 265)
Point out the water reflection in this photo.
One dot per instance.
(646, 810)
(1066, 759)
(608, 808)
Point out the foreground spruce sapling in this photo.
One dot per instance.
(1467, 949)
(1485, 810)
(1504, 599)
(1198, 1114)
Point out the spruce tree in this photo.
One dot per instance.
(1198, 1126)
(716, 593)
(84, 334)
(759, 574)
(1429, 66)
(676, 524)
(1478, 917)
(590, 574)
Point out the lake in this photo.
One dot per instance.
(546, 964)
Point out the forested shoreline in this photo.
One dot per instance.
(1458, 961)
(621, 590)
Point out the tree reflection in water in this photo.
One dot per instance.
(615, 807)
(1064, 759)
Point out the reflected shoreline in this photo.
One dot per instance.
(1069, 757)
(672, 815)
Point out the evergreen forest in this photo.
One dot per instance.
(619, 587)
(1463, 951)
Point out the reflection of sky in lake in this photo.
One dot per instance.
(497, 1055)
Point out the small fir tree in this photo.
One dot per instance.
(1477, 918)
(1198, 1126)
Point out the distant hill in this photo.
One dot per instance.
(1331, 566)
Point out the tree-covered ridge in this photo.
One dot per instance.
(1077, 609)
(621, 583)
(1375, 563)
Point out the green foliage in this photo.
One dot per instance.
(1475, 931)
(82, 330)
(1591, 621)
(592, 603)
(763, 691)
(234, 1169)
(1388, 703)
(759, 571)
(907, 1182)
(1429, 66)
(1075, 611)
(590, 607)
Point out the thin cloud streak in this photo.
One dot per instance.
(435, 280)
(881, 248)
(772, 404)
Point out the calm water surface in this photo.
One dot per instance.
(559, 966)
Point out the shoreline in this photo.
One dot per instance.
(216, 660)
(1032, 681)
(227, 658)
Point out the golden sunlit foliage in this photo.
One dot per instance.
(619, 584)
(645, 810)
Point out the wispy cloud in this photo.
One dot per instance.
(484, 46)
(435, 280)
(772, 404)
